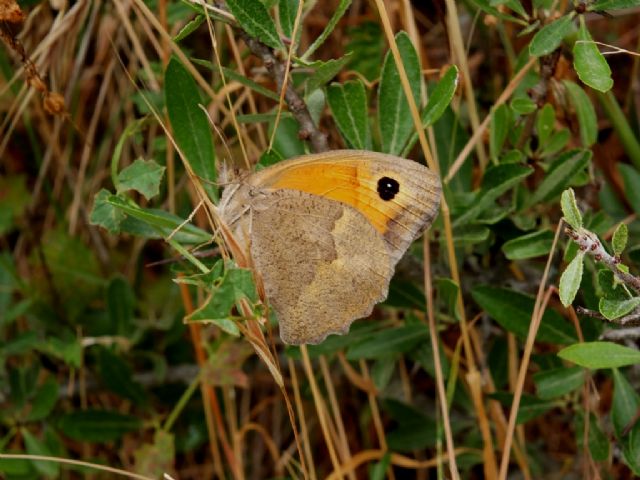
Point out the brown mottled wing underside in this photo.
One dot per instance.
(322, 263)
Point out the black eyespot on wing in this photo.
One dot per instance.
(388, 188)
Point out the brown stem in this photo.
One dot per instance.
(297, 106)
(588, 242)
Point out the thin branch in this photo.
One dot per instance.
(588, 242)
(630, 320)
(297, 106)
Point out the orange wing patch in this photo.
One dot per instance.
(351, 184)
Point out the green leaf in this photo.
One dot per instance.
(348, 103)
(66, 347)
(423, 355)
(523, 105)
(470, 234)
(487, 7)
(21, 468)
(611, 287)
(97, 425)
(14, 199)
(154, 459)
(378, 470)
(415, 430)
(559, 177)
(325, 71)
(235, 285)
(530, 407)
(287, 143)
(615, 308)
(625, 402)
(190, 27)
(141, 176)
(620, 238)
(117, 376)
(254, 19)
(105, 214)
(20, 344)
(73, 269)
(394, 116)
(598, 441)
(557, 142)
(382, 370)
(544, 123)
(337, 15)
(44, 400)
(549, 37)
(500, 123)
(440, 97)
(316, 101)
(531, 245)
(558, 382)
(190, 123)
(631, 179)
(590, 64)
(120, 305)
(497, 180)
(439, 100)
(609, 5)
(513, 311)
(231, 74)
(22, 383)
(631, 450)
(157, 223)
(584, 111)
(38, 447)
(287, 10)
(597, 355)
(385, 342)
(570, 209)
(570, 280)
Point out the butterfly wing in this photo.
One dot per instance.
(322, 263)
(399, 197)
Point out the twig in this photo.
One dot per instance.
(297, 106)
(621, 334)
(630, 320)
(538, 94)
(588, 242)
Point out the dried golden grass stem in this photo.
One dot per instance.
(495, 409)
(150, 17)
(231, 415)
(234, 118)
(266, 437)
(435, 346)
(445, 214)
(375, 414)
(366, 456)
(287, 68)
(343, 442)
(306, 441)
(208, 394)
(321, 409)
(358, 380)
(459, 51)
(123, 14)
(77, 463)
(538, 310)
(88, 149)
